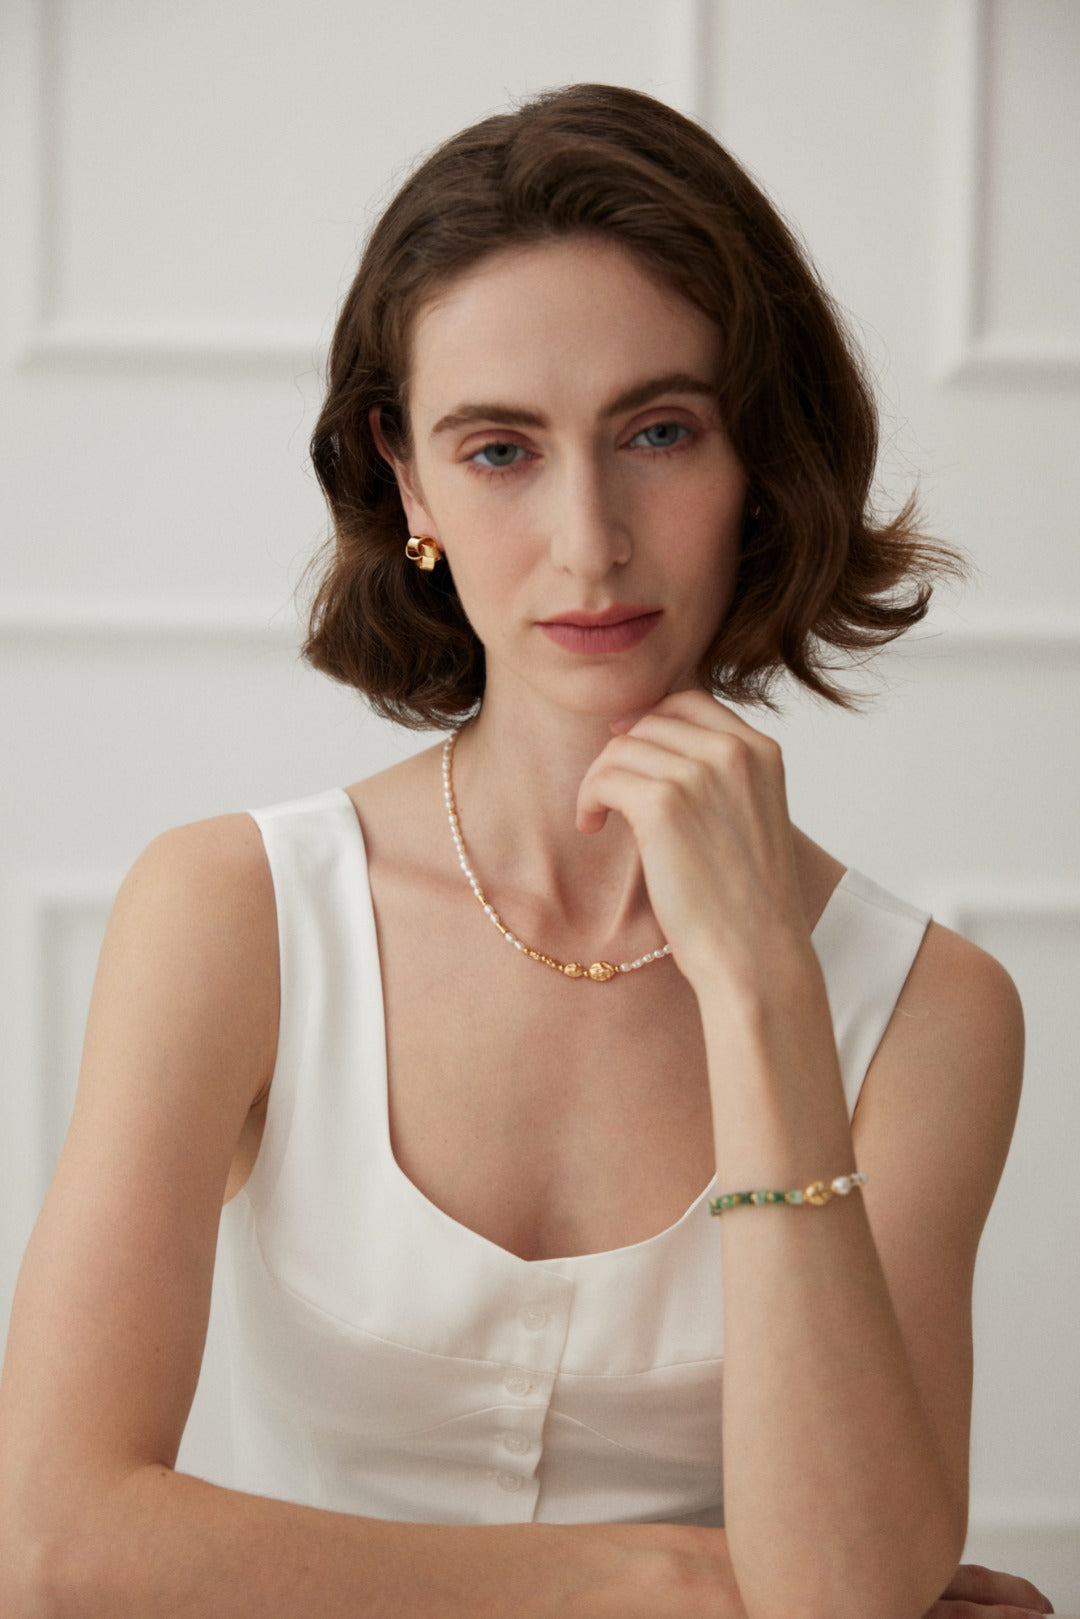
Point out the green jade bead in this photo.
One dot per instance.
(731, 1200)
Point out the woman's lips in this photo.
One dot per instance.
(614, 630)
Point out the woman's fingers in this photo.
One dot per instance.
(634, 775)
(696, 707)
(689, 754)
(946, 1608)
(704, 796)
(975, 1592)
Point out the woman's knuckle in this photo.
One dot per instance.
(732, 754)
(691, 774)
(979, 1582)
(665, 792)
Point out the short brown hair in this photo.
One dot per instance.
(816, 571)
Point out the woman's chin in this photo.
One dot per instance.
(607, 695)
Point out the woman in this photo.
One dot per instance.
(596, 454)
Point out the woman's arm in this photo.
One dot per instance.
(849, 1412)
(110, 1317)
(847, 1333)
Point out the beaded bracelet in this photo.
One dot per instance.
(817, 1194)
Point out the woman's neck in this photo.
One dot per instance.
(516, 781)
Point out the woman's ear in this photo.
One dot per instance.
(412, 500)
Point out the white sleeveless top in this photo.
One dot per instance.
(386, 1360)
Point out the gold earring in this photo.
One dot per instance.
(424, 551)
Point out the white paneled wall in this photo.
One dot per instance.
(185, 191)
(928, 160)
(1019, 220)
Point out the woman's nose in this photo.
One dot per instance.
(588, 534)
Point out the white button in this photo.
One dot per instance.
(509, 1481)
(516, 1384)
(534, 1317)
(516, 1443)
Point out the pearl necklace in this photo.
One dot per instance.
(600, 972)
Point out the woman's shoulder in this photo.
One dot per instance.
(209, 860)
(216, 876)
(397, 784)
(949, 1068)
(201, 893)
(188, 974)
(955, 982)
(400, 809)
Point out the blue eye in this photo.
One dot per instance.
(497, 455)
(661, 435)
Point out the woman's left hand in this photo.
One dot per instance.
(982, 1593)
(704, 795)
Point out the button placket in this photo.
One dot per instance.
(535, 1327)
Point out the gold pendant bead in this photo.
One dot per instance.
(600, 972)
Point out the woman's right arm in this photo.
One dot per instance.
(110, 1318)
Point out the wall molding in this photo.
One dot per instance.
(1029, 1533)
(1020, 634)
(47, 902)
(972, 353)
(261, 624)
(995, 900)
(277, 624)
(55, 341)
(704, 29)
(70, 344)
(994, 1516)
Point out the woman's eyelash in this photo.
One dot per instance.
(487, 469)
(683, 431)
(496, 444)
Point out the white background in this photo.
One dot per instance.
(183, 190)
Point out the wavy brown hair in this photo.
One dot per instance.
(817, 573)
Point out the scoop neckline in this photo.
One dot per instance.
(377, 1036)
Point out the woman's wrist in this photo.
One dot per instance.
(773, 977)
(777, 1096)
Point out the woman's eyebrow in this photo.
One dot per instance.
(683, 382)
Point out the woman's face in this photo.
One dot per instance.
(569, 457)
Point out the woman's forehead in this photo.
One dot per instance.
(531, 315)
